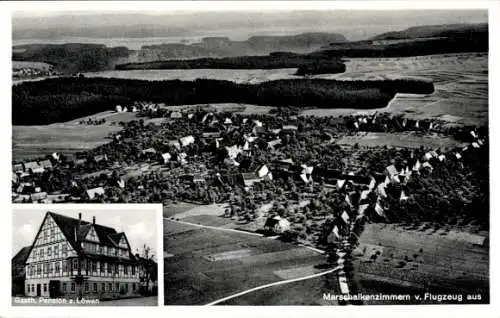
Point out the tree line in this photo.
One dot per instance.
(63, 99)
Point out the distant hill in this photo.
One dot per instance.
(72, 57)
(77, 57)
(415, 41)
(225, 47)
(121, 31)
(429, 31)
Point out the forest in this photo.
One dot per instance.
(417, 47)
(63, 99)
(71, 57)
(272, 61)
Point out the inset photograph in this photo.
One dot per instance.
(103, 255)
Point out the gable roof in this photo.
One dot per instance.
(21, 256)
(391, 170)
(46, 163)
(69, 226)
(93, 192)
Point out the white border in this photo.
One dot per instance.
(217, 6)
(6, 9)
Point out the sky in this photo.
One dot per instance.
(139, 225)
(238, 25)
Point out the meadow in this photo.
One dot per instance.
(415, 261)
(193, 278)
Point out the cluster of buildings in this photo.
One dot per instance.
(25, 176)
(31, 72)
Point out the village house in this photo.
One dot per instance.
(74, 258)
(39, 197)
(33, 167)
(80, 161)
(185, 141)
(211, 133)
(289, 129)
(148, 151)
(100, 158)
(46, 164)
(18, 168)
(93, 193)
(175, 115)
(250, 178)
(277, 224)
(18, 270)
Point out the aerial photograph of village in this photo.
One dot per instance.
(302, 157)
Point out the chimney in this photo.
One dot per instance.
(93, 220)
(77, 229)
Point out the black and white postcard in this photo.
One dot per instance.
(329, 154)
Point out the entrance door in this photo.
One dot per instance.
(39, 290)
(54, 288)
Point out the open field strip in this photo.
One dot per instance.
(273, 284)
(214, 227)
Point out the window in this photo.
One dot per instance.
(125, 269)
(105, 250)
(72, 287)
(32, 287)
(75, 264)
(94, 266)
(117, 286)
(51, 267)
(133, 270)
(49, 251)
(65, 249)
(35, 254)
(39, 269)
(116, 251)
(64, 287)
(52, 234)
(133, 286)
(110, 286)
(102, 267)
(110, 268)
(58, 267)
(98, 249)
(56, 250)
(95, 287)
(41, 252)
(45, 268)
(116, 268)
(87, 287)
(27, 288)
(126, 287)
(44, 288)
(103, 287)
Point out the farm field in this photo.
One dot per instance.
(211, 215)
(409, 262)
(69, 137)
(37, 65)
(461, 84)
(237, 76)
(209, 264)
(460, 81)
(406, 140)
(291, 294)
